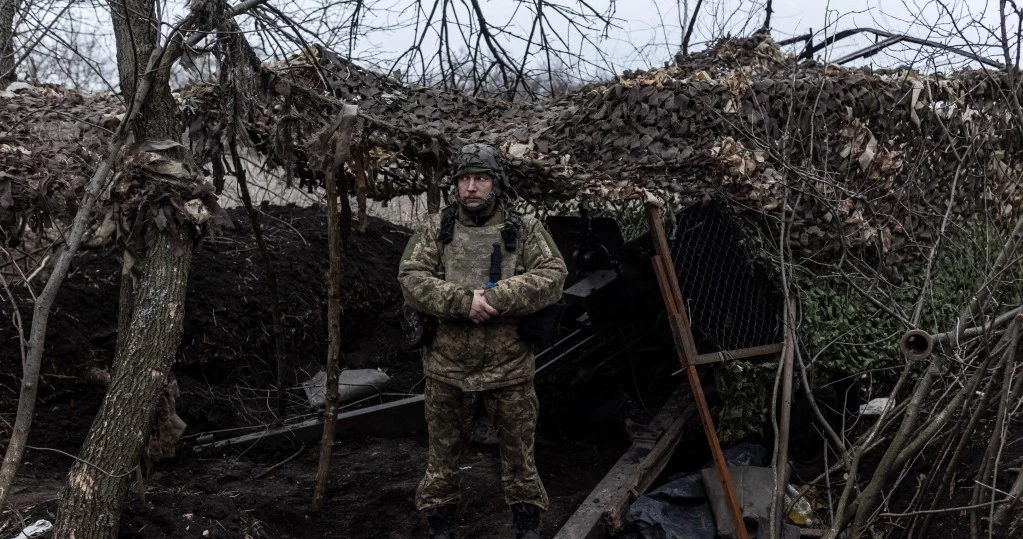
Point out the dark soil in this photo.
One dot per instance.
(226, 374)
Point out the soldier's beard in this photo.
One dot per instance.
(486, 204)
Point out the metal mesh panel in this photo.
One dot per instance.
(730, 301)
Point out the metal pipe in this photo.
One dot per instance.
(916, 345)
(741, 353)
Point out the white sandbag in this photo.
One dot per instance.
(354, 384)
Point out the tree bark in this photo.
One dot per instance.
(8, 9)
(98, 482)
(151, 321)
(135, 31)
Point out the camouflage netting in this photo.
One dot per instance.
(51, 141)
(869, 158)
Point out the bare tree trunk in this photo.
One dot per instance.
(138, 91)
(689, 30)
(8, 9)
(150, 328)
(784, 422)
(98, 482)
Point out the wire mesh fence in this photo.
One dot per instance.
(731, 301)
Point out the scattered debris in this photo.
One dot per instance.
(875, 407)
(41, 528)
(799, 509)
(693, 505)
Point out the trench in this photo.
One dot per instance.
(616, 366)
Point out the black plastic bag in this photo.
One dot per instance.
(540, 327)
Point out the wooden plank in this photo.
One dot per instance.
(602, 513)
(742, 353)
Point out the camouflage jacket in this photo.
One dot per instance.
(489, 355)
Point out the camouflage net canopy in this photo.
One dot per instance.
(51, 141)
(866, 159)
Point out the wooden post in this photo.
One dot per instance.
(433, 199)
(338, 148)
(682, 333)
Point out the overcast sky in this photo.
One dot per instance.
(643, 33)
(648, 32)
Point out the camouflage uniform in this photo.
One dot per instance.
(490, 362)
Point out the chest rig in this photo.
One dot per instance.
(467, 253)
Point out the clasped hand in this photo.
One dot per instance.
(481, 311)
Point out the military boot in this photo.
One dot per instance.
(441, 522)
(527, 520)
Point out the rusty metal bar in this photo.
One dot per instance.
(686, 348)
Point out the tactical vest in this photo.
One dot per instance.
(466, 260)
(478, 357)
(465, 250)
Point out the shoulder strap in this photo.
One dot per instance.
(447, 225)
(510, 230)
(445, 236)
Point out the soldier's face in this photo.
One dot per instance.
(473, 189)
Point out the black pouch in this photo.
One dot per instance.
(539, 328)
(419, 328)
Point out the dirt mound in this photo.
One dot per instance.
(228, 318)
(229, 322)
(226, 366)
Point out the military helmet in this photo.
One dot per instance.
(479, 158)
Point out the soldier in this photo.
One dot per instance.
(448, 272)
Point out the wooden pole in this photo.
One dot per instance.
(338, 148)
(685, 345)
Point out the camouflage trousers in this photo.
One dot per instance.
(449, 414)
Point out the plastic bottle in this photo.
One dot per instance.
(800, 512)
